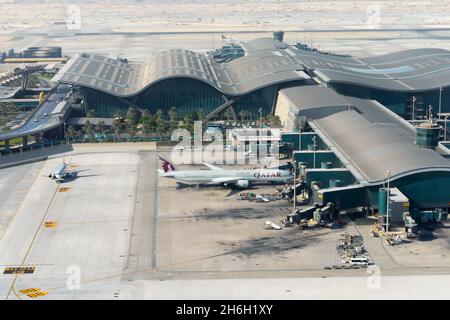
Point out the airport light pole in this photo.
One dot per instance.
(295, 186)
(387, 201)
(303, 176)
(260, 118)
(314, 139)
(413, 103)
(440, 101)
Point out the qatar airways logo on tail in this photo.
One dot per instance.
(259, 175)
(167, 166)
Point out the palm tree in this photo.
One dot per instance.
(88, 130)
(202, 118)
(274, 121)
(227, 114)
(117, 127)
(148, 123)
(70, 133)
(160, 123)
(132, 116)
(173, 118)
(243, 114)
(188, 122)
(118, 115)
(79, 134)
(101, 126)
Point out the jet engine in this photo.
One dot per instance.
(243, 184)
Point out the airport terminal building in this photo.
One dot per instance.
(360, 145)
(187, 80)
(348, 114)
(406, 82)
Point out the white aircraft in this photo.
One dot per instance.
(241, 178)
(61, 174)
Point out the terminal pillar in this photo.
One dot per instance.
(37, 139)
(25, 142)
(7, 145)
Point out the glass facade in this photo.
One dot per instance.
(187, 95)
(264, 98)
(399, 102)
(425, 190)
(104, 105)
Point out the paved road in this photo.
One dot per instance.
(142, 241)
(14, 185)
(359, 287)
(46, 118)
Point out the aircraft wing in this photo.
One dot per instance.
(212, 167)
(225, 180)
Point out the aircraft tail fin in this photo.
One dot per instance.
(166, 165)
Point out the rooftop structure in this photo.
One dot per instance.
(239, 137)
(395, 80)
(258, 69)
(370, 140)
(410, 70)
(43, 52)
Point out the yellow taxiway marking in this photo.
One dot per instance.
(12, 287)
(51, 224)
(73, 166)
(19, 270)
(37, 294)
(65, 189)
(30, 290)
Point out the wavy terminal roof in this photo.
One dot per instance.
(267, 62)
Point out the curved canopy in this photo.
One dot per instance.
(405, 71)
(266, 63)
(371, 138)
